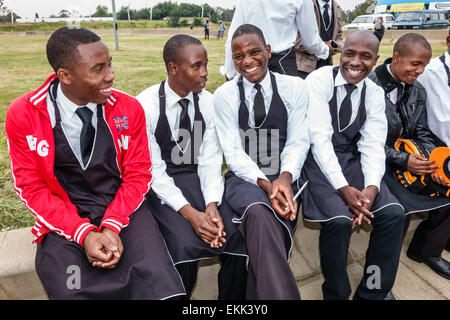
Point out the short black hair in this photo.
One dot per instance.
(249, 29)
(62, 46)
(406, 40)
(174, 47)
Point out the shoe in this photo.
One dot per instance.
(389, 296)
(437, 264)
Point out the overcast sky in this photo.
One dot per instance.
(27, 8)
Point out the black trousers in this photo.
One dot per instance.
(284, 62)
(232, 277)
(269, 274)
(432, 235)
(382, 255)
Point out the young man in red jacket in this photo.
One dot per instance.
(80, 162)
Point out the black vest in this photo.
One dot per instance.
(93, 189)
(326, 34)
(176, 160)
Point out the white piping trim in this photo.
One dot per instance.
(19, 193)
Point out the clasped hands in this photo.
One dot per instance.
(280, 195)
(103, 249)
(208, 225)
(359, 202)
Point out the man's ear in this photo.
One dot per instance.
(64, 76)
(376, 59)
(269, 51)
(172, 68)
(396, 57)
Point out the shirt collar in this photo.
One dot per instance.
(447, 58)
(322, 3)
(172, 97)
(265, 84)
(340, 81)
(388, 67)
(68, 107)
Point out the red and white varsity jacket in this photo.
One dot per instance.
(32, 151)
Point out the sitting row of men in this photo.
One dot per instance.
(130, 190)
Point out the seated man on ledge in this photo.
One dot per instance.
(81, 164)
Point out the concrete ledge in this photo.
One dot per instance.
(19, 280)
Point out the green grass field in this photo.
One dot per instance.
(138, 64)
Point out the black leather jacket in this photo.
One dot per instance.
(407, 119)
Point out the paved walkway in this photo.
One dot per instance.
(415, 281)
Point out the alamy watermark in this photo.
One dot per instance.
(73, 281)
(263, 147)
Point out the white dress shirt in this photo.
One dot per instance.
(293, 93)
(435, 81)
(373, 132)
(280, 21)
(70, 121)
(210, 153)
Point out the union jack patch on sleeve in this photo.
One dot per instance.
(121, 122)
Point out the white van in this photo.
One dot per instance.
(366, 22)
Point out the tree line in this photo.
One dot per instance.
(169, 10)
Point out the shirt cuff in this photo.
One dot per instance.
(372, 181)
(338, 180)
(213, 196)
(295, 173)
(324, 54)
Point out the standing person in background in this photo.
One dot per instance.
(407, 119)
(206, 25)
(280, 21)
(221, 30)
(378, 29)
(329, 21)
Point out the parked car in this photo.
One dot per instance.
(421, 20)
(366, 22)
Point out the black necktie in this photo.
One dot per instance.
(258, 106)
(326, 16)
(87, 132)
(345, 112)
(185, 123)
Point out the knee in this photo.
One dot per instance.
(394, 214)
(260, 217)
(337, 224)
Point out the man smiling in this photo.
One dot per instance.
(261, 122)
(80, 162)
(347, 128)
(186, 197)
